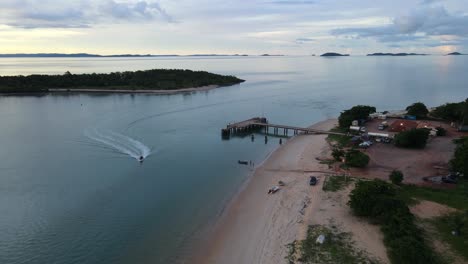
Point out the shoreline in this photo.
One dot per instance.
(126, 91)
(247, 231)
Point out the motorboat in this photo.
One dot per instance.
(243, 162)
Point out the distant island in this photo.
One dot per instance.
(159, 80)
(87, 55)
(455, 53)
(333, 54)
(396, 54)
(73, 55)
(271, 55)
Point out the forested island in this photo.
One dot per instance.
(333, 54)
(157, 79)
(455, 53)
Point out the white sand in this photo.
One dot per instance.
(257, 226)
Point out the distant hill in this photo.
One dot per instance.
(333, 54)
(271, 55)
(87, 55)
(396, 54)
(73, 55)
(455, 53)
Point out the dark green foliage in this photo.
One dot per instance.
(441, 131)
(380, 202)
(465, 113)
(414, 138)
(355, 158)
(396, 177)
(338, 153)
(417, 109)
(451, 111)
(355, 113)
(160, 79)
(459, 161)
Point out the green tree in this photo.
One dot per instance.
(451, 111)
(414, 138)
(338, 153)
(355, 158)
(417, 109)
(355, 113)
(396, 177)
(459, 161)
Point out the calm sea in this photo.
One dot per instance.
(72, 191)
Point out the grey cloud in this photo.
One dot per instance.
(417, 24)
(140, 10)
(79, 14)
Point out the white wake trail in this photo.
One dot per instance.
(120, 143)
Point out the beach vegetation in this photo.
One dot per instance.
(413, 138)
(396, 177)
(355, 158)
(338, 247)
(359, 112)
(336, 183)
(157, 79)
(380, 202)
(419, 110)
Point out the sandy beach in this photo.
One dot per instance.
(257, 226)
(157, 92)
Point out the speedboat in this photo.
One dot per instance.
(141, 159)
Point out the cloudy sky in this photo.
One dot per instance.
(292, 27)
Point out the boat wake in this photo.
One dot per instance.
(119, 143)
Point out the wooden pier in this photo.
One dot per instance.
(261, 123)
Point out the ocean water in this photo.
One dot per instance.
(73, 191)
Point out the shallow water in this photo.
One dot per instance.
(72, 190)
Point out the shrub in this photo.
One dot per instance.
(355, 158)
(417, 109)
(396, 177)
(338, 153)
(441, 131)
(380, 202)
(355, 113)
(414, 138)
(459, 161)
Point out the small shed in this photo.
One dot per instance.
(403, 125)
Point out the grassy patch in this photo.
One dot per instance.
(340, 140)
(336, 183)
(337, 248)
(458, 243)
(456, 197)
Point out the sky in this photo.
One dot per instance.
(289, 27)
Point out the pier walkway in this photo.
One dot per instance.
(257, 123)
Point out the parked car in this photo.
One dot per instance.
(312, 180)
(449, 180)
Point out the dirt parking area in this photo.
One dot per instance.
(414, 163)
